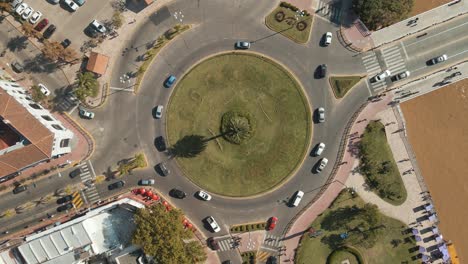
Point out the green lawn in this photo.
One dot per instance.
(273, 99)
(342, 84)
(378, 165)
(287, 27)
(315, 250)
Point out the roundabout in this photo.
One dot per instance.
(254, 119)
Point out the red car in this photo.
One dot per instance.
(272, 223)
(41, 25)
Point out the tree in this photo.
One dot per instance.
(237, 126)
(52, 50)
(29, 30)
(36, 94)
(160, 234)
(87, 85)
(382, 13)
(117, 20)
(188, 146)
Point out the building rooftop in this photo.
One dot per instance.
(97, 63)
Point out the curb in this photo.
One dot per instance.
(85, 133)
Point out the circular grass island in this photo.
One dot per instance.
(238, 124)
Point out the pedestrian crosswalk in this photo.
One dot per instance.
(330, 10)
(226, 244)
(67, 104)
(91, 194)
(372, 65)
(393, 59)
(271, 241)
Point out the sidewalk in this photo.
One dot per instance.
(423, 21)
(300, 226)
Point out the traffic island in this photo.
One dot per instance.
(290, 22)
(342, 84)
(238, 124)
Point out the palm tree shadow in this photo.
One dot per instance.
(188, 147)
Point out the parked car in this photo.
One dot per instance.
(242, 45)
(64, 199)
(15, 3)
(322, 163)
(381, 76)
(19, 189)
(213, 224)
(328, 38)
(35, 17)
(297, 198)
(41, 25)
(116, 185)
(159, 111)
(212, 243)
(401, 75)
(170, 81)
(72, 5)
(271, 224)
(27, 13)
(322, 71)
(177, 193)
(75, 173)
(80, 2)
(44, 89)
(321, 114)
(204, 195)
(86, 114)
(17, 67)
(439, 59)
(65, 207)
(146, 182)
(319, 149)
(54, 1)
(21, 8)
(98, 26)
(164, 170)
(160, 143)
(49, 31)
(65, 43)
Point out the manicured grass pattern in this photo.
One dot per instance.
(379, 242)
(340, 255)
(378, 165)
(287, 26)
(254, 85)
(248, 227)
(342, 84)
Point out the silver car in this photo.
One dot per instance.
(321, 114)
(242, 45)
(321, 164)
(319, 149)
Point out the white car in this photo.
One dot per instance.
(319, 149)
(328, 38)
(401, 75)
(72, 5)
(322, 164)
(297, 198)
(204, 195)
(35, 17)
(159, 111)
(98, 26)
(212, 222)
(321, 114)
(439, 59)
(381, 76)
(20, 9)
(86, 114)
(27, 13)
(15, 3)
(44, 89)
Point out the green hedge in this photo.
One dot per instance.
(248, 227)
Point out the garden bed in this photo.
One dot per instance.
(288, 22)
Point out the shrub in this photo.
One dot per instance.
(279, 16)
(301, 26)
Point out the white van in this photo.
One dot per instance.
(297, 198)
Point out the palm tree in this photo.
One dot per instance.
(188, 146)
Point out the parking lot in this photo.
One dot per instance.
(71, 24)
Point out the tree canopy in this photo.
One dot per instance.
(161, 234)
(382, 13)
(87, 85)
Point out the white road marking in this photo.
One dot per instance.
(447, 30)
(459, 53)
(419, 69)
(92, 168)
(73, 109)
(368, 88)
(122, 89)
(404, 50)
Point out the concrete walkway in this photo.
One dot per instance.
(421, 22)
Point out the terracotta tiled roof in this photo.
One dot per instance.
(97, 63)
(29, 127)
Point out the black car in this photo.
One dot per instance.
(20, 188)
(116, 185)
(65, 199)
(163, 169)
(75, 173)
(49, 31)
(65, 207)
(212, 243)
(65, 43)
(322, 71)
(160, 143)
(272, 260)
(177, 193)
(17, 67)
